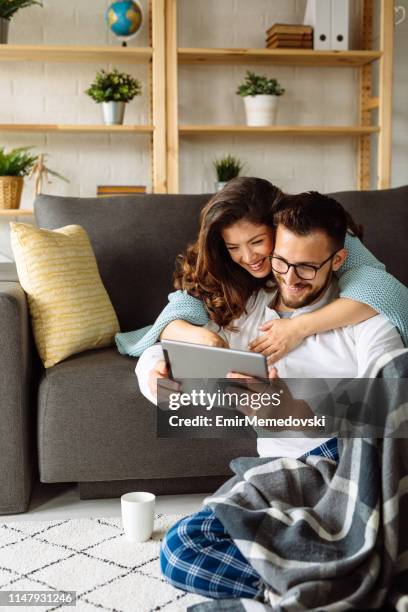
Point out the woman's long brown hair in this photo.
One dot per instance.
(206, 269)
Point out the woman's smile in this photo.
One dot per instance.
(258, 266)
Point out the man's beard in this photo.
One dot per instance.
(307, 299)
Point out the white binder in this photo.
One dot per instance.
(318, 15)
(340, 24)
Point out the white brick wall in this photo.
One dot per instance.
(48, 93)
(313, 96)
(33, 92)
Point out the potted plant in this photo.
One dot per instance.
(113, 90)
(14, 166)
(227, 168)
(261, 98)
(7, 10)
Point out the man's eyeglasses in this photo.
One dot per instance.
(302, 271)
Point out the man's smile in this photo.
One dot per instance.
(296, 289)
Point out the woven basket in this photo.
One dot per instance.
(11, 188)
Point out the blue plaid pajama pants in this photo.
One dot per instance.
(199, 556)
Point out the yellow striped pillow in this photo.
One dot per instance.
(70, 308)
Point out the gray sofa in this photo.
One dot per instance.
(84, 420)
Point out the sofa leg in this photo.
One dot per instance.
(16, 507)
(158, 486)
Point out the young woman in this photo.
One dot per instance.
(214, 284)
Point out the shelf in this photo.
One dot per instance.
(16, 212)
(103, 129)
(283, 57)
(60, 53)
(291, 130)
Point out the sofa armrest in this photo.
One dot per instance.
(17, 398)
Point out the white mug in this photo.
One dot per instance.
(138, 515)
(399, 10)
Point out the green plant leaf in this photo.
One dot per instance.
(18, 162)
(113, 86)
(255, 85)
(227, 167)
(9, 7)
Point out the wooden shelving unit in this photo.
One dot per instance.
(76, 128)
(278, 57)
(65, 53)
(153, 56)
(361, 60)
(163, 58)
(279, 130)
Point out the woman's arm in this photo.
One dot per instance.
(340, 313)
(364, 279)
(180, 306)
(380, 290)
(186, 332)
(283, 335)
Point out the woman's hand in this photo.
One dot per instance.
(279, 337)
(160, 372)
(202, 335)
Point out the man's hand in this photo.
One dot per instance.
(279, 338)
(160, 372)
(288, 406)
(272, 373)
(255, 386)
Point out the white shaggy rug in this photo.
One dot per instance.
(92, 557)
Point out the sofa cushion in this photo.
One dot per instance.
(94, 425)
(69, 306)
(384, 216)
(135, 240)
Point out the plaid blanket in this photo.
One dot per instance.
(324, 536)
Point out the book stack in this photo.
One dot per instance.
(104, 191)
(282, 35)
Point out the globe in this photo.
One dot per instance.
(124, 17)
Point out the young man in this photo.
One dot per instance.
(197, 554)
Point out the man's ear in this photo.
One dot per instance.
(338, 259)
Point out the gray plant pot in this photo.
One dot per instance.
(113, 112)
(4, 27)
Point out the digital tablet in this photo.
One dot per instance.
(186, 360)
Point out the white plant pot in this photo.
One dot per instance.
(113, 112)
(218, 185)
(261, 110)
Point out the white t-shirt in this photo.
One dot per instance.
(347, 352)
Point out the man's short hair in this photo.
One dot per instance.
(311, 211)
